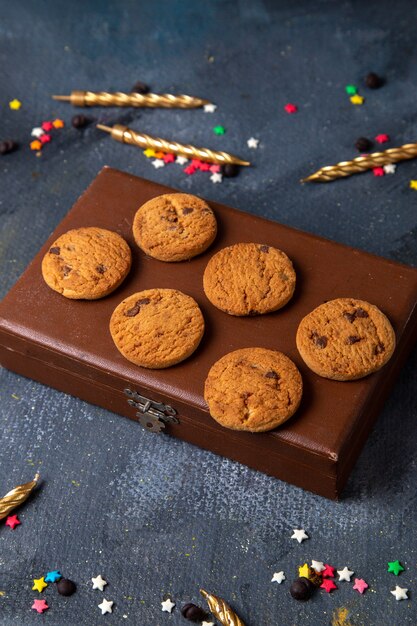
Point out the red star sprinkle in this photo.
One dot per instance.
(360, 585)
(40, 606)
(169, 158)
(378, 171)
(215, 169)
(12, 521)
(328, 571)
(291, 108)
(45, 138)
(205, 167)
(47, 126)
(382, 138)
(196, 163)
(190, 169)
(58, 123)
(328, 585)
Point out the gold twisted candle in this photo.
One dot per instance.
(16, 497)
(119, 99)
(126, 135)
(221, 610)
(362, 163)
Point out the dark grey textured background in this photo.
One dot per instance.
(153, 515)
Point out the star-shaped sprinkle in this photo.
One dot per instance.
(39, 584)
(45, 138)
(167, 605)
(378, 171)
(169, 158)
(15, 104)
(159, 155)
(106, 606)
(400, 593)
(390, 168)
(345, 574)
(216, 178)
(278, 577)
(204, 167)
(12, 521)
(210, 108)
(47, 126)
(357, 99)
(299, 534)
(395, 567)
(58, 123)
(99, 582)
(149, 153)
(351, 90)
(35, 144)
(328, 571)
(360, 585)
(328, 585)
(413, 184)
(318, 566)
(189, 170)
(181, 160)
(207, 623)
(37, 131)
(219, 130)
(52, 577)
(196, 163)
(382, 138)
(252, 143)
(214, 169)
(304, 571)
(40, 606)
(291, 108)
(157, 163)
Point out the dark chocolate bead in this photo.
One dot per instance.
(8, 145)
(363, 144)
(80, 121)
(140, 87)
(66, 587)
(230, 170)
(301, 589)
(373, 81)
(193, 612)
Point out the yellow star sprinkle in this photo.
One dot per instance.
(39, 584)
(413, 184)
(15, 104)
(304, 570)
(58, 123)
(357, 99)
(149, 153)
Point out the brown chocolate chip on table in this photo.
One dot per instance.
(8, 145)
(302, 589)
(373, 81)
(140, 87)
(66, 587)
(230, 170)
(193, 612)
(363, 144)
(80, 121)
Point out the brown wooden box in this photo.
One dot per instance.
(66, 343)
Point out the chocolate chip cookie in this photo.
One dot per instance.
(86, 263)
(174, 227)
(249, 279)
(345, 339)
(157, 328)
(253, 389)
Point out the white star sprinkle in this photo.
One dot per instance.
(209, 108)
(181, 160)
(37, 132)
(216, 178)
(400, 593)
(99, 582)
(207, 623)
(168, 605)
(390, 168)
(345, 574)
(105, 606)
(252, 143)
(318, 566)
(278, 577)
(157, 163)
(299, 534)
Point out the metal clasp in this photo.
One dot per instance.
(153, 416)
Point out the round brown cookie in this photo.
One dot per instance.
(249, 279)
(157, 328)
(86, 263)
(174, 227)
(253, 389)
(345, 339)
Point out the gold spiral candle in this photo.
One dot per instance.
(127, 135)
(221, 610)
(119, 99)
(363, 163)
(16, 497)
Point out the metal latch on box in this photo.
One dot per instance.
(152, 415)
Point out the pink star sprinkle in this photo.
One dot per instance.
(40, 606)
(214, 169)
(382, 138)
(45, 138)
(328, 585)
(169, 158)
(204, 167)
(47, 126)
(12, 521)
(360, 585)
(291, 108)
(328, 571)
(190, 169)
(378, 171)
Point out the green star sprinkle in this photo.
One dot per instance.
(395, 567)
(351, 90)
(219, 130)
